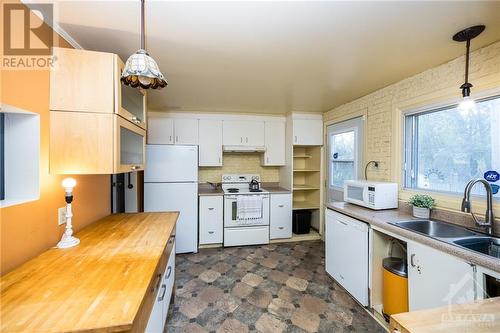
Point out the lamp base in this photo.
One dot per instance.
(67, 242)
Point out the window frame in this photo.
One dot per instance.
(355, 157)
(410, 159)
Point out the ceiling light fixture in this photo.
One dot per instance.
(465, 36)
(140, 69)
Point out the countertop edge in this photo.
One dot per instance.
(383, 223)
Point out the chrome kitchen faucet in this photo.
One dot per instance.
(489, 219)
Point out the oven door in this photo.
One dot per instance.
(231, 213)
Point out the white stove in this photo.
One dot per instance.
(246, 211)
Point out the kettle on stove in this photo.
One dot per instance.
(254, 185)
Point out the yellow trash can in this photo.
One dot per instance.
(395, 284)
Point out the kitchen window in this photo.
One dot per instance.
(345, 147)
(446, 147)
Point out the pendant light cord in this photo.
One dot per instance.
(143, 42)
(467, 61)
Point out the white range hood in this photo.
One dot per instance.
(243, 149)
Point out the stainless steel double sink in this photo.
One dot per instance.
(455, 235)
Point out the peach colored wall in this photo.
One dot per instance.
(26, 230)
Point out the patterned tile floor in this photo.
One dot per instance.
(270, 288)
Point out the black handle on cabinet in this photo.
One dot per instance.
(164, 287)
(169, 271)
(211, 208)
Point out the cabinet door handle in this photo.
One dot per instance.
(281, 206)
(267, 159)
(343, 223)
(281, 228)
(247, 140)
(241, 140)
(219, 159)
(157, 284)
(295, 139)
(211, 208)
(412, 260)
(135, 167)
(164, 289)
(169, 271)
(211, 232)
(176, 138)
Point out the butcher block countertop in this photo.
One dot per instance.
(101, 285)
(478, 317)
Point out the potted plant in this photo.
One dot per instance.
(422, 205)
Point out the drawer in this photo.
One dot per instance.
(281, 216)
(211, 220)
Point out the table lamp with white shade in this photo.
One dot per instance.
(68, 240)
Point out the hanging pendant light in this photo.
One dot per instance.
(140, 69)
(466, 35)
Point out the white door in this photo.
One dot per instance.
(345, 156)
(308, 132)
(160, 131)
(437, 279)
(176, 197)
(210, 137)
(254, 133)
(171, 164)
(186, 131)
(281, 216)
(275, 143)
(233, 132)
(211, 219)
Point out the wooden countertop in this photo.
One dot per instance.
(478, 317)
(98, 285)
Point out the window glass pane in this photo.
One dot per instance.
(453, 146)
(341, 171)
(343, 146)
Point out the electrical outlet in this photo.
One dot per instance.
(61, 215)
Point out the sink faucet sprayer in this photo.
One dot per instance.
(489, 220)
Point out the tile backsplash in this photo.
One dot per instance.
(239, 163)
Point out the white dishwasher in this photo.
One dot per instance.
(347, 252)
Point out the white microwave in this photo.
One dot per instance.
(374, 195)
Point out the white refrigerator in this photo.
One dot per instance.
(171, 184)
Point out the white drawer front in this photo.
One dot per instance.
(211, 219)
(281, 216)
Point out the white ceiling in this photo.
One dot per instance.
(275, 57)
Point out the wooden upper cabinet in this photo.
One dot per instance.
(89, 81)
(90, 143)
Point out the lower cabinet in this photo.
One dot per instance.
(437, 279)
(158, 317)
(280, 216)
(211, 219)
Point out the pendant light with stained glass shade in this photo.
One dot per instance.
(466, 36)
(141, 71)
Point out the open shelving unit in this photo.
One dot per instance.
(306, 182)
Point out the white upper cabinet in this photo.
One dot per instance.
(186, 131)
(243, 133)
(275, 143)
(432, 276)
(307, 132)
(210, 138)
(169, 131)
(160, 131)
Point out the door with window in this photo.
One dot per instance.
(345, 155)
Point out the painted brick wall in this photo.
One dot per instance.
(381, 105)
(239, 163)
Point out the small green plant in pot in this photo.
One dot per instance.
(422, 205)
